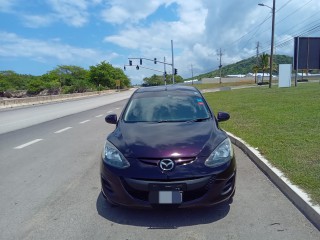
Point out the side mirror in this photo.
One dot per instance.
(111, 118)
(223, 116)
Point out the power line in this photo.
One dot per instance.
(294, 12)
(257, 27)
(284, 5)
(306, 29)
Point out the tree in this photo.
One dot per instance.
(35, 86)
(255, 69)
(178, 79)
(104, 74)
(154, 80)
(71, 78)
(12, 81)
(68, 74)
(264, 63)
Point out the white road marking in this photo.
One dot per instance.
(84, 121)
(117, 108)
(99, 116)
(28, 143)
(62, 130)
(109, 111)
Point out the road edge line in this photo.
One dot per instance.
(295, 194)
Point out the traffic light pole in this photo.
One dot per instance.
(153, 60)
(138, 67)
(174, 70)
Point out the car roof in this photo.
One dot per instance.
(167, 88)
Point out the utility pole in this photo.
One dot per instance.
(220, 66)
(257, 62)
(272, 40)
(257, 56)
(164, 71)
(273, 9)
(192, 73)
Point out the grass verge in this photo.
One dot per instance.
(218, 85)
(283, 123)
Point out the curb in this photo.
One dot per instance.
(296, 195)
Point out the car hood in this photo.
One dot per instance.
(168, 139)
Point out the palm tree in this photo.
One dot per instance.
(255, 69)
(264, 63)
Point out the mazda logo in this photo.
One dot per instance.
(166, 164)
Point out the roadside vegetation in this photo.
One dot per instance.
(156, 80)
(282, 123)
(63, 79)
(246, 66)
(218, 85)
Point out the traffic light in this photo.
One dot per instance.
(175, 71)
(124, 67)
(155, 61)
(130, 62)
(140, 61)
(137, 67)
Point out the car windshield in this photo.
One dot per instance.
(166, 107)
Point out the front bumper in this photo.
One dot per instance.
(196, 192)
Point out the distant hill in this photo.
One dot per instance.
(243, 67)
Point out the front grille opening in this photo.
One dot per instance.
(228, 186)
(167, 180)
(178, 161)
(141, 195)
(188, 195)
(210, 183)
(107, 185)
(193, 195)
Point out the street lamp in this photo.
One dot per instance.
(273, 8)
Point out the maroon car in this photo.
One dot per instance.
(167, 150)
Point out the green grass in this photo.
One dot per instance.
(283, 123)
(218, 85)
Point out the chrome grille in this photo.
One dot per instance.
(178, 161)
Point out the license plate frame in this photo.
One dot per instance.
(165, 197)
(166, 193)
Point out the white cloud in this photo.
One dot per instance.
(6, 5)
(72, 12)
(50, 50)
(36, 21)
(122, 11)
(154, 40)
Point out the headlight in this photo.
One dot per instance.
(221, 155)
(112, 156)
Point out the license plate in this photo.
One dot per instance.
(165, 197)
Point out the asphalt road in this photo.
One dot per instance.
(50, 189)
(17, 118)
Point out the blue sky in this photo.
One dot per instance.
(38, 35)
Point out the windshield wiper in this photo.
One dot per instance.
(199, 119)
(185, 120)
(162, 121)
